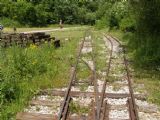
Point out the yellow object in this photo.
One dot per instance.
(33, 46)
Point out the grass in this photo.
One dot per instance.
(25, 71)
(78, 109)
(100, 59)
(70, 34)
(151, 81)
(83, 72)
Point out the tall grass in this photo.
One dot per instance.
(24, 71)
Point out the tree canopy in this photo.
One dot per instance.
(43, 12)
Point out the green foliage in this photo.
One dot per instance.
(25, 71)
(76, 108)
(101, 24)
(9, 22)
(113, 12)
(44, 12)
(128, 24)
(145, 44)
(90, 18)
(118, 12)
(19, 65)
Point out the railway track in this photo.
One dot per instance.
(103, 108)
(88, 98)
(67, 102)
(85, 47)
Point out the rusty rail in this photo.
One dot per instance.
(132, 104)
(105, 83)
(95, 81)
(133, 113)
(65, 105)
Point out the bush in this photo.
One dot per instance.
(6, 22)
(119, 11)
(128, 25)
(19, 65)
(100, 24)
(113, 22)
(145, 43)
(90, 18)
(9, 90)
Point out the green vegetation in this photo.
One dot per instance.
(150, 78)
(144, 46)
(145, 43)
(54, 26)
(24, 71)
(151, 81)
(44, 12)
(83, 72)
(78, 109)
(99, 51)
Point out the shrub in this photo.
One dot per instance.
(100, 24)
(6, 22)
(128, 25)
(18, 65)
(146, 43)
(119, 11)
(113, 22)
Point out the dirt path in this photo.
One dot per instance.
(52, 30)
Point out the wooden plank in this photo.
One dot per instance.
(37, 116)
(42, 103)
(118, 119)
(89, 94)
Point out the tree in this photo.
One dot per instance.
(146, 42)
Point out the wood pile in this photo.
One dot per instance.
(21, 39)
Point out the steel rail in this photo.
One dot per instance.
(132, 103)
(105, 82)
(134, 114)
(71, 81)
(65, 105)
(95, 80)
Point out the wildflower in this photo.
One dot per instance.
(34, 62)
(33, 46)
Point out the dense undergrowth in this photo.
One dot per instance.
(24, 71)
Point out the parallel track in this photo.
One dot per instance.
(102, 106)
(65, 106)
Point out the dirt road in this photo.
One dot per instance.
(55, 29)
